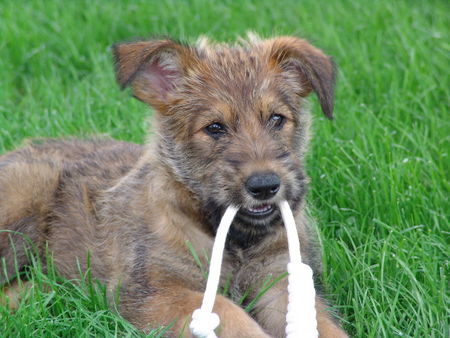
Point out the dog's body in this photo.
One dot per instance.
(231, 129)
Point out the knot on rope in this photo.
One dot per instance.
(203, 323)
(301, 315)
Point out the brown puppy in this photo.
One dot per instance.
(231, 129)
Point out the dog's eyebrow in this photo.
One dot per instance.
(287, 101)
(210, 116)
(204, 118)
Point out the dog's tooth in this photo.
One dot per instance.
(260, 209)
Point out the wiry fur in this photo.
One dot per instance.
(133, 208)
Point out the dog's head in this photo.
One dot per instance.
(232, 123)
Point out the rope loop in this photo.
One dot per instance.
(301, 312)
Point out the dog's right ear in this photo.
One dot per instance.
(152, 68)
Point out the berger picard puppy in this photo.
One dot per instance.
(231, 128)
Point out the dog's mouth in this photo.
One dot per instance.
(258, 211)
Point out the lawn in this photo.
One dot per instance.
(379, 171)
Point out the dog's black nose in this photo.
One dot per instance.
(263, 186)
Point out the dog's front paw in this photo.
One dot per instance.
(235, 322)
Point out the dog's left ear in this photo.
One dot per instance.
(306, 67)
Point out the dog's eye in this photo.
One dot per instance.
(215, 130)
(276, 121)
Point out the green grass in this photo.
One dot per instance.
(379, 172)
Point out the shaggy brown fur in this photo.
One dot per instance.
(224, 114)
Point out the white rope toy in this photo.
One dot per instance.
(301, 314)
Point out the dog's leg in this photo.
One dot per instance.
(12, 294)
(270, 313)
(26, 191)
(174, 306)
(326, 325)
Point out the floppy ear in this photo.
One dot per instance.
(152, 68)
(307, 67)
